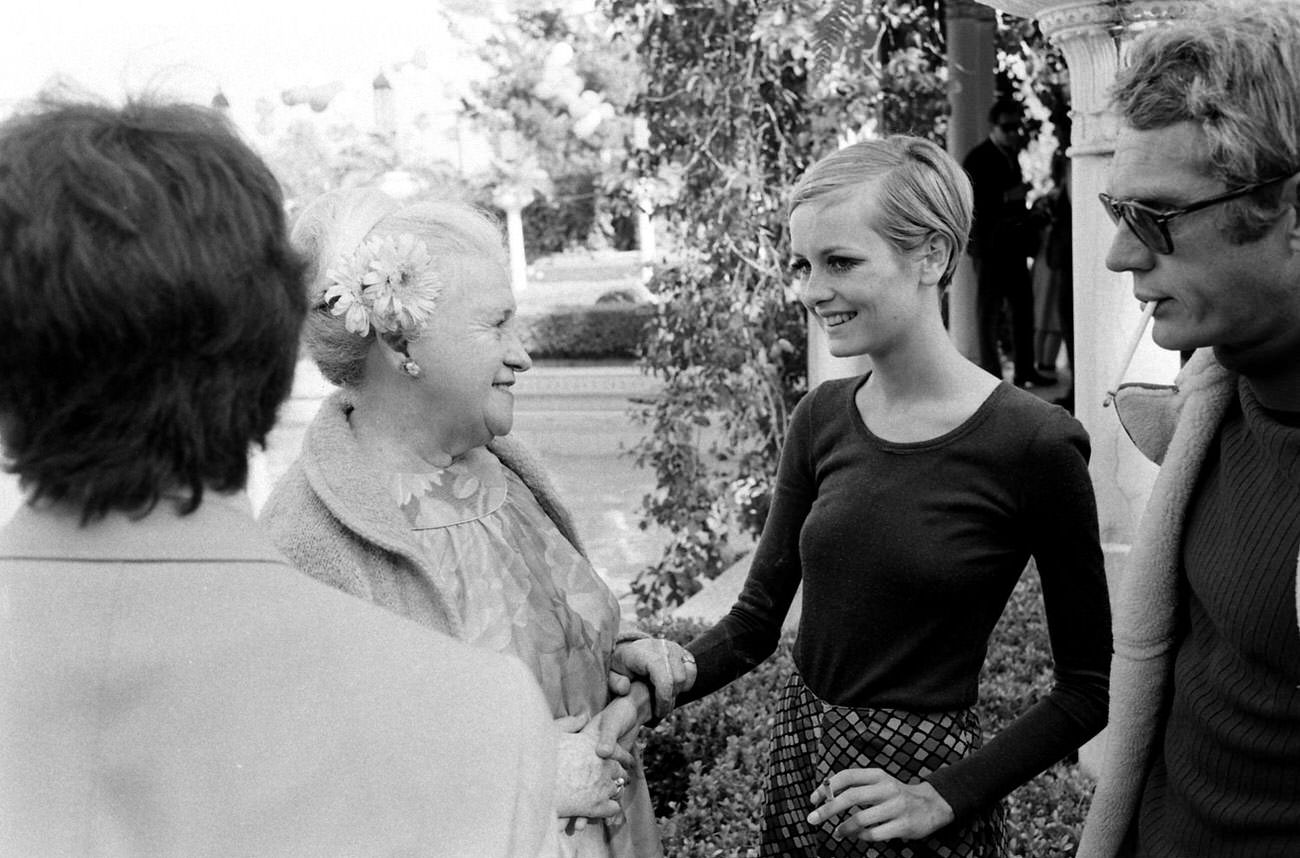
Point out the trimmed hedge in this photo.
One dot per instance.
(705, 762)
(589, 332)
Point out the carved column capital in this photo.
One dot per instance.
(1089, 35)
(1094, 36)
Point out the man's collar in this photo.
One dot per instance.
(221, 529)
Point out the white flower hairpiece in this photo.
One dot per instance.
(387, 284)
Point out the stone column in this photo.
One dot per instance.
(645, 225)
(512, 199)
(971, 60)
(385, 107)
(1094, 36)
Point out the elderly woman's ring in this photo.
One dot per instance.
(619, 783)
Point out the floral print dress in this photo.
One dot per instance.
(521, 588)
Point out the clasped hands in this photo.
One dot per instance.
(667, 667)
(590, 771)
(872, 805)
(595, 754)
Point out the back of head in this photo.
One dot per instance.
(1234, 70)
(920, 191)
(332, 232)
(150, 303)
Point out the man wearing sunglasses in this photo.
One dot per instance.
(1203, 753)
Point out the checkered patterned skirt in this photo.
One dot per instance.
(814, 739)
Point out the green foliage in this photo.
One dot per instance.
(563, 219)
(555, 107)
(706, 762)
(836, 29)
(735, 118)
(600, 331)
(309, 159)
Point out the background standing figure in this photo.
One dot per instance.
(1051, 212)
(170, 685)
(908, 502)
(1058, 259)
(1203, 753)
(409, 492)
(1003, 240)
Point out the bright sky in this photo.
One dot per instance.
(248, 49)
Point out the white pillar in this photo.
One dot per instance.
(645, 232)
(518, 260)
(385, 107)
(512, 199)
(645, 225)
(971, 59)
(1093, 37)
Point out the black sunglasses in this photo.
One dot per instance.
(1151, 225)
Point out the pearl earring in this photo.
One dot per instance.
(411, 368)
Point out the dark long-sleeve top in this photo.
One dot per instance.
(908, 553)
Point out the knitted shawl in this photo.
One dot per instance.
(1173, 427)
(333, 516)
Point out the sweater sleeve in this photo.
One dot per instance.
(749, 633)
(1060, 513)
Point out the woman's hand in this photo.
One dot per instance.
(666, 666)
(617, 723)
(878, 806)
(586, 783)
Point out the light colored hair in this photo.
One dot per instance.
(921, 191)
(336, 223)
(1233, 69)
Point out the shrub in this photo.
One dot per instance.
(563, 219)
(706, 762)
(605, 330)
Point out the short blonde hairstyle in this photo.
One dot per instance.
(336, 223)
(921, 191)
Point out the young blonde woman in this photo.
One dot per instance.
(908, 502)
(409, 492)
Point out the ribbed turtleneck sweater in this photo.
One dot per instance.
(1225, 781)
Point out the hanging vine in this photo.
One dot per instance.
(735, 115)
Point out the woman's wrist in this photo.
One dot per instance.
(643, 698)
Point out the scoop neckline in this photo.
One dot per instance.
(970, 424)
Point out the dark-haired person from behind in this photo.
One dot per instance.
(169, 684)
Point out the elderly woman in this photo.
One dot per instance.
(409, 494)
(170, 684)
(907, 503)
